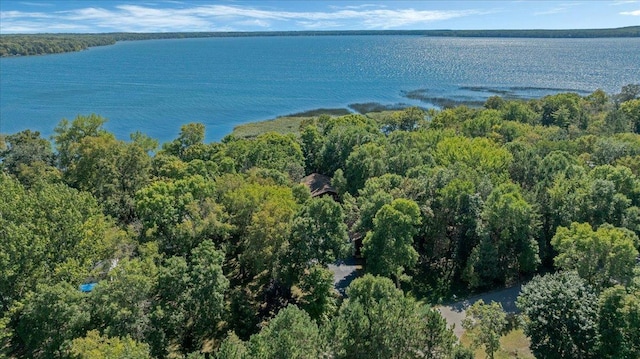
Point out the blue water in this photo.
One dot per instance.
(156, 86)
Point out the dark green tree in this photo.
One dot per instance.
(619, 323)
(388, 248)
(318, 234)
(27, 156)
(290, 334)
(50, 318)
(232, 347)
(508, 247)
(317, 295)
(191, 135)
(365, 161)
(120, 306)
(561, 312)
(379, 321)
(113, 171)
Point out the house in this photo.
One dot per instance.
(320, 185)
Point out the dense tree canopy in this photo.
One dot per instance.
(112, 246)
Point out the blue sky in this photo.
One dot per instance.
(35, 16)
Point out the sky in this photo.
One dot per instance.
(96, 16)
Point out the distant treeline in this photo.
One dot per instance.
(40, 44)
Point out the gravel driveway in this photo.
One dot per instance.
(454, 313)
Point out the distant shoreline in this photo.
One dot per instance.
(43, 44)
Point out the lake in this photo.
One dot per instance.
(156, 86)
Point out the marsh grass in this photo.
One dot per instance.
(284, 125)
(291, 123)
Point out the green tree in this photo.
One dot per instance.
(317, 295)
(290, 334)
(342, 135)
(526, 161)
(480, 154)
(121, 304)
(627, 93)
(266, 240)
(379, 321)
(279, 152)
(50, 318)
(191, 135)
(148, 144)
(561, 312)
(26, 155)
(169, 311)
(188, 301)
(208, 285)
(388, 248)
(95, 346)
(562, 110)
(487, 323)
(508, 246)
(377, 192)
(180, 214)
(365, 161)
(483, 125)
(519, 111)
(455, 200)
(69, 134)
(602, 257)
(311, 144)
(619, 323)
(318, 234)
(631, 112)
(232, 347)
(405, 120)
(113, 171)
(50, 233)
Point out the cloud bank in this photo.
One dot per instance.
(140, 18)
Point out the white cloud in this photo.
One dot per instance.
(41, 4)
(355, 7)
(8, 15)
(255, 22)
(559, 9)
(140, 18)
(631, 13)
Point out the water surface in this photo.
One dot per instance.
(156, 86)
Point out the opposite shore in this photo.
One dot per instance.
(43, 44)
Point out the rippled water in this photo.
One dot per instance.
(156, 86)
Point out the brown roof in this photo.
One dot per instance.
(318, 184)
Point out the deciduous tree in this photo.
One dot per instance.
(487, 323)
(602, 257)
(388, 248)
(561, 312)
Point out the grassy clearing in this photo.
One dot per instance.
(291, 123)
(282, 125)
(512, 345)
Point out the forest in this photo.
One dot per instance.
(117, 248)
(41, 44)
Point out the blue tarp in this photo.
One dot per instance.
(87, 287)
